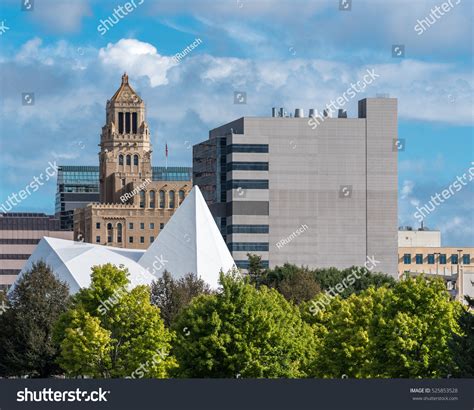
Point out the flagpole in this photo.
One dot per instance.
(166, 154)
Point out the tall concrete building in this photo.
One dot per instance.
(312, 191)
(133, 207)
(20, 232)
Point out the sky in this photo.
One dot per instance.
(59, 65)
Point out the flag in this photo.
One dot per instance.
(166, 150)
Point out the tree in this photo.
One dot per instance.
(26, 345)
(399, 332)
(242, 332)
(255, 265)
(462, 347)
(171, 295)
(111, 331)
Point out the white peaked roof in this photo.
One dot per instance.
(190, 242)
(72, 262)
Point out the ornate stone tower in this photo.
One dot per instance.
(125, 150)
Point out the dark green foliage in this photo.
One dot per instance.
(171, 295)
(36, 302)
(462, 347)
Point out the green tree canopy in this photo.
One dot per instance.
(242, 332)
(111, 331)
(402, 331)
(26, 345)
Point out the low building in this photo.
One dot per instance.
(20, 232)
(423, 237)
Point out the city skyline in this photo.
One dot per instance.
(286, 62)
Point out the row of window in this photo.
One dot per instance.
(261, 148)
(247, 184)
(17, 256)
(151, 225)
(10, 271)
(14, 241)
(119, 239)
(244, 264)
(247, 229)
(128, 159)
(247, 166)
(248, 246)
(161, 198)
(442, 259)
(127, 122)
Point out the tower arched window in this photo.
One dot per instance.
(110, 233)
(119, 233)
(162, 199)
(142, 199)
(120, 159)
(135, 160)
(129, 160)
(181, 196)
(172, 204)
(152, 199)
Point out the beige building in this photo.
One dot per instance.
(133, 208)
(409, 237)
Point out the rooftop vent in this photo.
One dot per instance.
(299, 113)
(341, 113)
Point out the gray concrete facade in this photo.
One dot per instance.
(319, 193)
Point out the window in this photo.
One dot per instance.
(244, 264)
(120, 159)
(97, 239)
(407, 259)
(247, 229)
(152, 239)
(247, 184)
(130, 239)
(110, 233)
(442, 259)
(119, 233)
(247, 148)
(142, 225)
(431, 259)
(142, 239)
(130, 225)
(171, 204)
(181, 196)
(135, 160)
(142, 199)
(152, 225)
(120, 121)
(418, 258)
(247, 166)
(97, 225)
(454, 259)
(129, 160)
(466, 259)
(152, 199)
(162, 225)
(162, 199)
(248, 246)
(127, 123)
(134, 122)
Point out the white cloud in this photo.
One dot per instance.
(138, 59)
(62, 16)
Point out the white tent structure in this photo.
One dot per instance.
(190, 242)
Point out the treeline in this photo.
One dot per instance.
(287, 322)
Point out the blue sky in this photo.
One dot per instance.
(281, 53)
